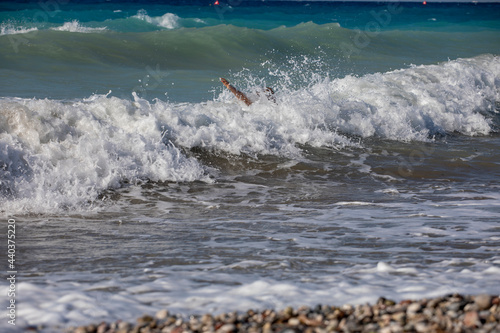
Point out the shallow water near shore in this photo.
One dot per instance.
(332, 229)
(137, 183)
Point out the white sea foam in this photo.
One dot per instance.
(58, 154)
(9, 29)
(168, 20)
(407, 104)
(75, 26)
(68, 304)
(410, 104)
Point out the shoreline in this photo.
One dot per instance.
(450, 313)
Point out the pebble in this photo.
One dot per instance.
(162, 314)
(451, 313)
(227, 328)
(471, 319)
(288, 311)
(413, 309)
(483, 301)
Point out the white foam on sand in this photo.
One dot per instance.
(67, 303)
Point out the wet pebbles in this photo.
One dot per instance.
(452, 313)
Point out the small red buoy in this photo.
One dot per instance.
(216, 2)
(424, 3)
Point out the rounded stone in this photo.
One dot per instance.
(124, 325)
(207, 319)
(471, 319)
(162, 314)
(483, 301)
(413, 308)
(227, 328)
(288, 311)
(145, 319)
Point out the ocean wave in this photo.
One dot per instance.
(57, 155)
(170, 49)
(418, 103)
(168, 20)
(10, 29)
(60, 154)
(415, 103)
(209, 47)
(75, 26)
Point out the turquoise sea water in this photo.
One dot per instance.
(138, 182)
(81, 49)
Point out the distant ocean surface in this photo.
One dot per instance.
(138, 182)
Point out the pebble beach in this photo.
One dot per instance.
(451, 313)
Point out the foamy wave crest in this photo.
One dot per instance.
(418, 102)
(168, 20)
(75, 26)
(58, 155)
(7, 29)
(415, 103)
(226, 125)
